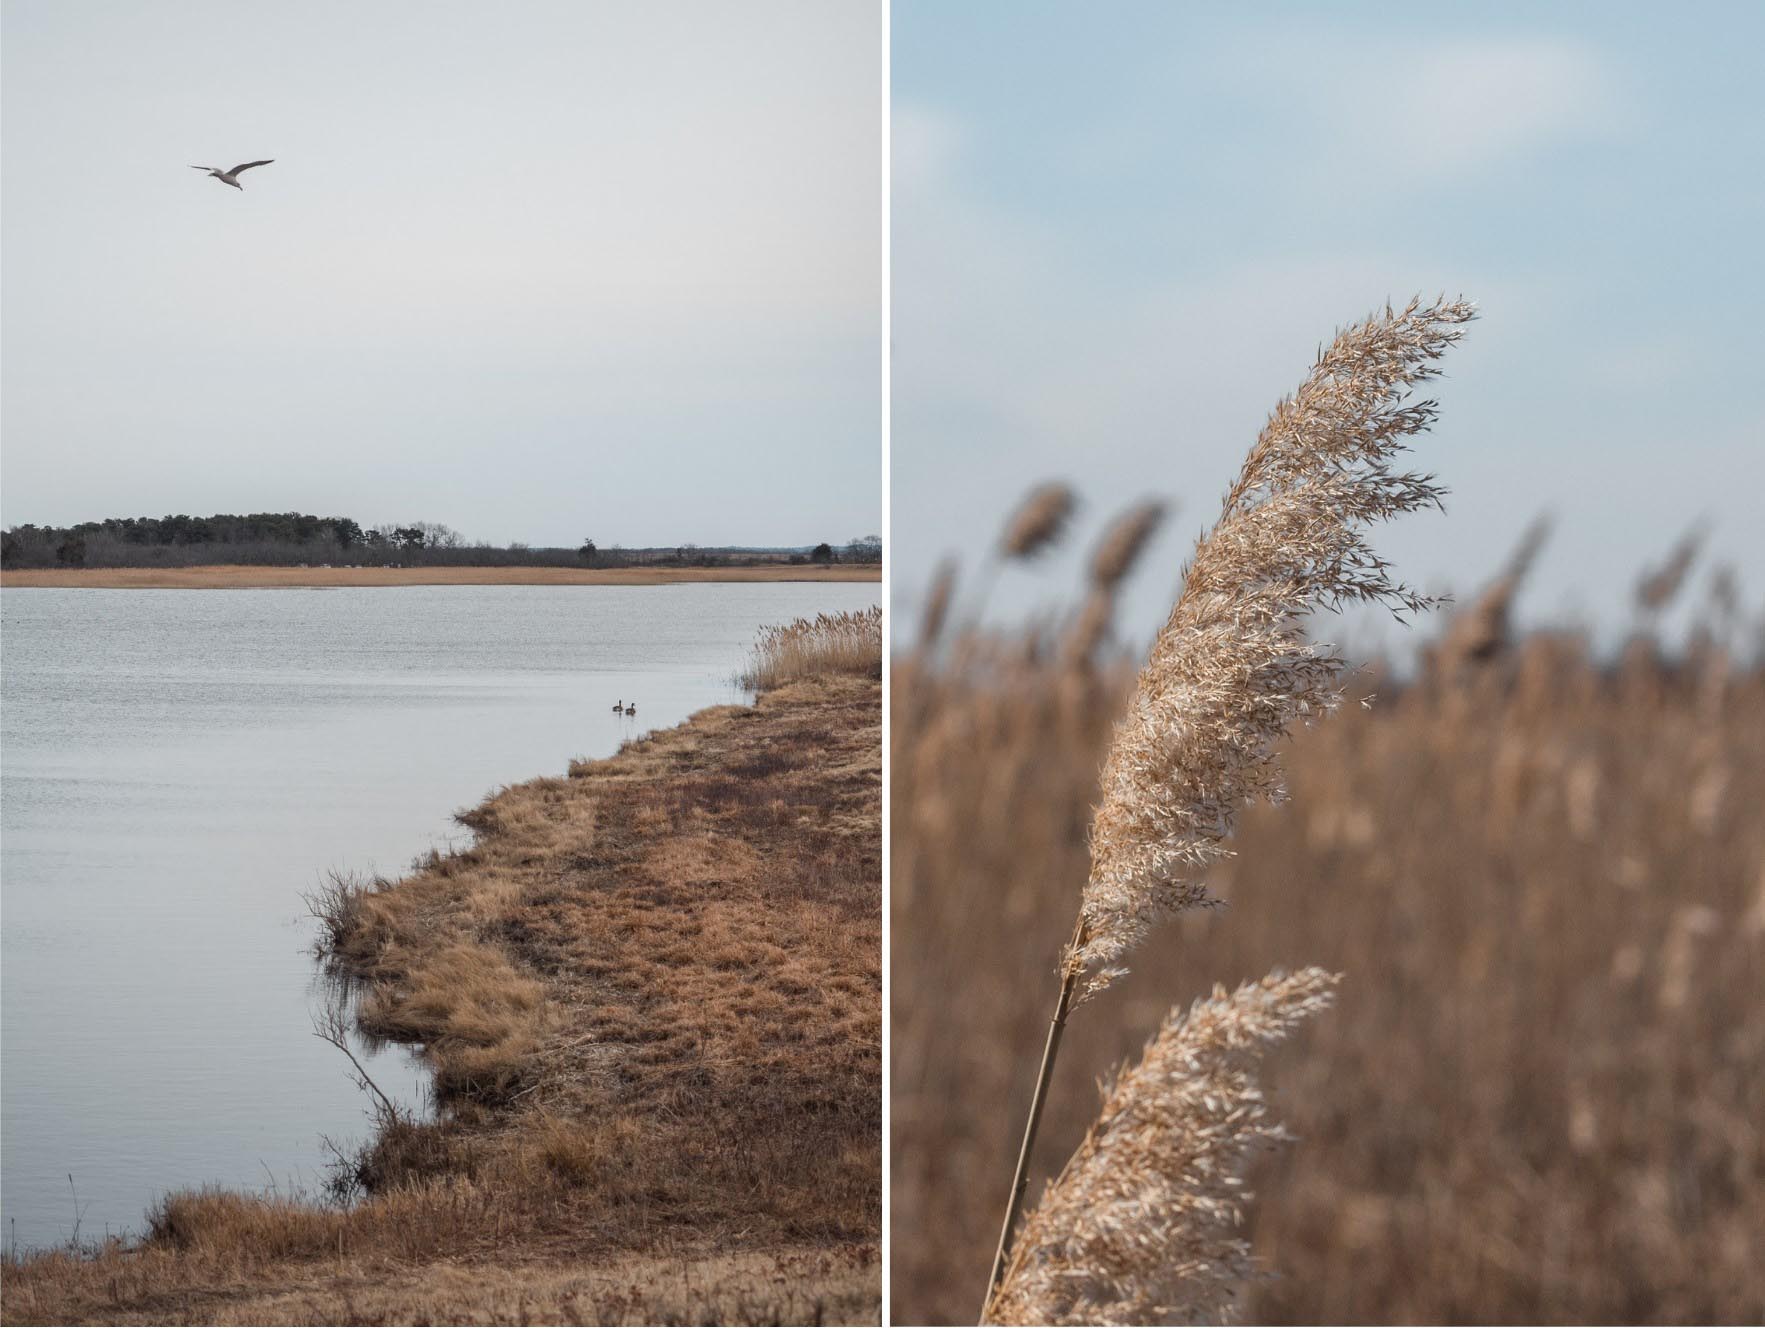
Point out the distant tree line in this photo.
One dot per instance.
(296, 539)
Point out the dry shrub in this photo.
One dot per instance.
(1538, 1097)
(848, 642)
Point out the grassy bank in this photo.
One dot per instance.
(234, 577)
(651, 995)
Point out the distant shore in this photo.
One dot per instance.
(235, 577)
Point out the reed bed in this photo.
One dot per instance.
(1539, 1095)
(848, 642)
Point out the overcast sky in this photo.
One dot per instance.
(539, 270)
(1122, 230)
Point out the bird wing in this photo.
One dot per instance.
(248, 165)
(202, 168)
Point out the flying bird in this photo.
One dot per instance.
(232, 177)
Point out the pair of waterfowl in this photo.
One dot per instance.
(620, 705)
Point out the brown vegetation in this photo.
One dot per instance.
(1144, 1224)
(1229, 675)
(1539, 1097)
(650, 993)
(249, 577)
(812, 647)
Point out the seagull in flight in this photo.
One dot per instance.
(232, 177)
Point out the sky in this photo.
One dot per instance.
(543, 270)
(1121, 231)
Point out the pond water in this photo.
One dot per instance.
(178, 767)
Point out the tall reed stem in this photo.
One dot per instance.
(1070, 970)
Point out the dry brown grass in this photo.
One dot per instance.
(1539, 1097)
(650, 992)
(234, 577)
(689, 1283)
(828, 643)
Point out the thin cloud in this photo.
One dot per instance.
(1491, 102)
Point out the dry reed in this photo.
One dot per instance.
(1538, 1097)
(1124, 542)
(937, 604)
(848, 642)
(1113, 558)
(1039, 521)
(1484, 630)
(1658, 586)
(1232, 670)
(1144, 1225)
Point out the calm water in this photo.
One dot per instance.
(178, 766)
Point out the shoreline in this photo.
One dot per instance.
(233, 576)
(649, 993)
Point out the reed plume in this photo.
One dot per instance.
(1035, 525)
(1232, 669)
(1484, 630)
(1659, 586)
(1111, 561)
(1124, 541)
(1038, 522)
(937, 604)
(1143, 1225)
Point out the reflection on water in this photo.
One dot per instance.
(180, 766)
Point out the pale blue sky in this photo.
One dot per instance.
(539, 270)
(1120, 231)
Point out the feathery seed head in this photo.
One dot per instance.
(1123, 543)
(1658, 586)
(1232, 669)
(1038, 522)
(1481, 631)
(1143, 1225)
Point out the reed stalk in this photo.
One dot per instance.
(1070, 972)
(1233, 669)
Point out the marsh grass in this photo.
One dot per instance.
(829, 643)
(1537, 1098)
(650, 994)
